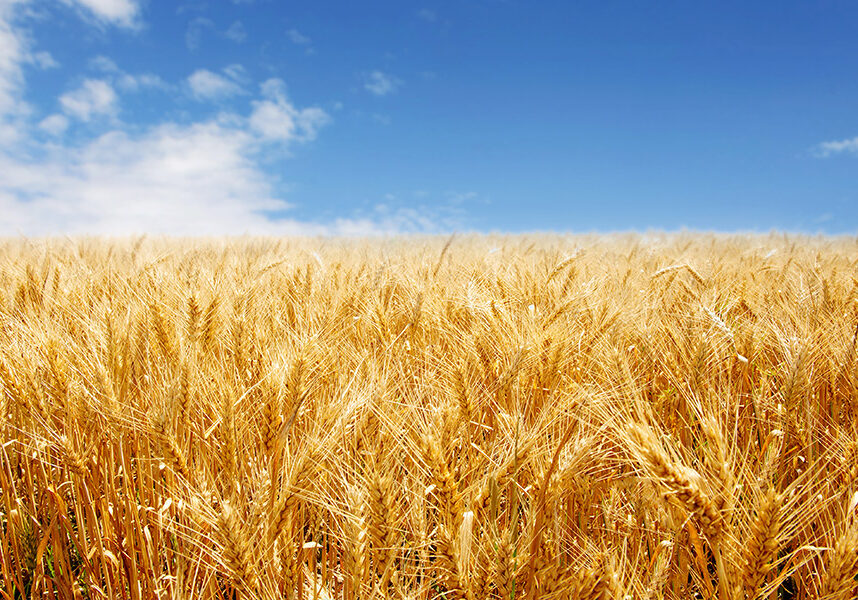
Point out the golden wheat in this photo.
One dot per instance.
(627, 416)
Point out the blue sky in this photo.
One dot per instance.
(261, 116)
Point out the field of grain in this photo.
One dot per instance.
(642, 417)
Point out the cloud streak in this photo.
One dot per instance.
(54, 125)
(206, 85)
(296, 37)
(827, 149)
(94, 98)
(379, 83)
(236, 32)
(123, 13)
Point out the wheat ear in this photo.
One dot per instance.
(842, 567)
(762, 546)
(237, 552)
(381, 519)
(680, 482)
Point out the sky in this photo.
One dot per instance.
(266, 117)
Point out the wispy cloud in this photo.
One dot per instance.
(296, 37)
(194, 32)
(126, 82)
(14, 52)
(199, 25)
(236, 72)
(826, 149)
(299, 39)
(124, 13)
(94, 98)
(44, 60)
(133, 83)
(458, 198)
(55, 124)
(424, 213)
(102, 63)
(236, 32)
(207, 85)
(381, 84)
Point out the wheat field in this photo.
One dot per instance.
(588, 417)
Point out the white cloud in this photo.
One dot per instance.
(55, 124)
(277, 119)
(134, 83)
(201, 177)
(44, 60)
(206, 85)
(126, 81)
(236, 32)
(194, 33)
(172, 179)
(826, 149)
(456, 198)
(236, 72)
(296, 37)
(14, 50)
(95, 97)
(387, 220)
(381, 84)
(104, 64)
(273, 121)
(116, 12)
